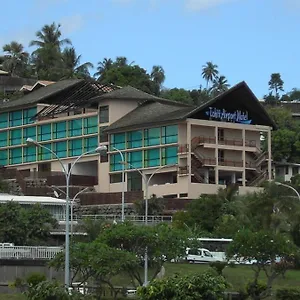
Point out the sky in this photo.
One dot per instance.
(247, 39)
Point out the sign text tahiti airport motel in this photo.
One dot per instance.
(237, 116)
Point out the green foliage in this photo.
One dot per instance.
(34, 279)
(25, 226)
(287, 294)
(155, 206)
(276, 84)
(206, 286)
(256, 289)
(177, 94)
(218, 266)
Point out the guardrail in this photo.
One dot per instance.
(28, 252)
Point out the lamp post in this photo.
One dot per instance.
(289, 187)
(67, 174)
(146, 182)
(123, 178)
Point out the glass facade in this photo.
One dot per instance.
(59, 130)
(104, 114)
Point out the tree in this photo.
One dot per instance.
(207, 286)
(71, 65)
(158, 76)
(263, 248)
(15, 58)
(209, 72)
(176, 94)
(276, 84)
(220, 85)
(155, 206)
(25, 226)
(103, 66)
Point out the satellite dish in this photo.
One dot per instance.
(56, 194)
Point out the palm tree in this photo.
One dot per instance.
(103, 66)
(220, 85)
(209, 72)
(15, 58)
(71, 65)
(158, 75)
(276, 84)
(122, 61)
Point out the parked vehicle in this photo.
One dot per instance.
(200, 255)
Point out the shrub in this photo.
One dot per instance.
(218, 266)
(35, 278)
(288, 294)
(255, 289)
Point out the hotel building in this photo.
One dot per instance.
(202, 148)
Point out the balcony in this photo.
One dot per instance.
(201, 140)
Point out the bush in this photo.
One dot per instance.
(288, 294)
(218, 266)
(34, 279)
(254, 290)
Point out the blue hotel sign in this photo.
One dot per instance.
(236, 116)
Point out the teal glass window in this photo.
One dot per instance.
(75, 127)
(44, 154)
(44, 132)
(4, 120)
(15, 118)
(118, 141)
(135, 158)
(15, 156)
(134, 181)
(59, 130)
(75, 147)
(90, 143)
(169, 156)
(15, 137)
(169, 134)
(152, 158)
(103, 136)
(3, 157)
(152, 136)
(115, 162)
(29, 132)
(3, 139)
(28, 114)
(60, 149)
(90, 125)
(135, 139)
(30, 153)
(104, 114)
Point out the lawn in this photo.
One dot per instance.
(237, 276)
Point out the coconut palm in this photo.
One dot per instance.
(220, 85)
(15, 58)
(103, 66)
(71, 65)
(209, 72)
(158, 75)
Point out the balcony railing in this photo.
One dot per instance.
(231, 163)
(183, 148)
(230, 142)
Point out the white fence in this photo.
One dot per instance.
(28, 252)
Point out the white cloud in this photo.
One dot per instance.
(71, 24)
(197, 5)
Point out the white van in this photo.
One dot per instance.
(200, 255)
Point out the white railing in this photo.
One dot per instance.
(117, 218)
(28, 252)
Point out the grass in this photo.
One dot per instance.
(237, 276)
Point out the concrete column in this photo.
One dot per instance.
(244, 158)
(206, 176)
(189, 142)
(269, 155)
(233, 178)
(217, 156)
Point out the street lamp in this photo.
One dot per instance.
(123, 178)
(146, 182)
(67, 174)
(288, 186)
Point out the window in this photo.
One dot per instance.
(103, 136)
(44, 154)
(3, 139)
(44, 132)
(115, 162)
(152, 136)
(104, 114)
(30, 154)
(75, 147)
(15, 118)
(183, 195)
(134, 181)
(115, 178)
(295, 170)
(29, 132)
(3, 157)
(152, 158)
(118, 141)
(90, 143)
(134, 139)
(28, 114)
(75, 127)
(135, 159)
(169, 134)
(221, 155)
(220, 134)
(4, 120)
(15, 156)
(90, 125)
(15, 137)
(60, 149)
(59, 130)
(169, 156)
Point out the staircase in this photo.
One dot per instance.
(197, 175)
(261, 177)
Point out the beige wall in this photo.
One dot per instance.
(232, 134)
(196, 189)
(253, 136)
(182, 133)
(205, 131)
(233, 155)
(103, 178)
